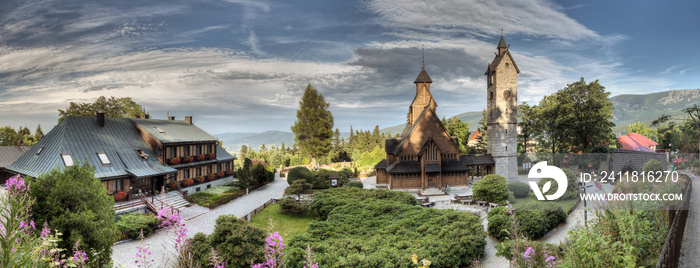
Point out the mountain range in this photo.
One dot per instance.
(629, 109)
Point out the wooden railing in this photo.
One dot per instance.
(671, 251)
(184, 194)
(149, 205)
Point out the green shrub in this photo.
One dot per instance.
(492, 188)
(237, 241)
(571, 189)
(297, 188)
(511, 197)
(499, 223)
(292, 206)
(519, 189)
(355, 184)
(325, 202)
(200, 248)
(695, 163)
(653, 166)
(133, 223)
(202, 198)
(300, 173)
(385, 233)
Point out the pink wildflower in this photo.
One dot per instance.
(529, 252)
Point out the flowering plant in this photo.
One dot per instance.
(119, 196)
(174, 160)
(220, 174)
(187, 182)
(229, 172)
(200, 157)
(211, 177)
(187, 159)
(211, 155)
(199, 179)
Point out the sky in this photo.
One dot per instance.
(242, 66)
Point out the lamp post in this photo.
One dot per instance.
(582, 187)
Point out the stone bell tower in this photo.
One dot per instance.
(502, 111)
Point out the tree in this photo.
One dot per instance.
(38, 134)
(244, 151)
(313, 128)
(589, 111)
(76, 203)
(238, 241)
(694, 114)
(642, 129)
(336, 141)
(296, 188)
(460, 129)
(481, 144)
(8, 136)
(526, 125)
(112, 107)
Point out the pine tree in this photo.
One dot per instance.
(483, 127)
(244, 151)
(336, 141)
(313, 129)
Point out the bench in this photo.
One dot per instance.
(494, 205)
(482, 203)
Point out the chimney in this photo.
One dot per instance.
(171, 118)
(188, 119)
(101, 119)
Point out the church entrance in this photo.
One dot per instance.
(433, 180)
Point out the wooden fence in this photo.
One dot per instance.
(671, 251)
(260, 208)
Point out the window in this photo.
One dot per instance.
(199, 171)
(144, 156)
(199, 149)
(104, 159)
(186, 150)
(158, 129)
(39, 151)
(117, 185)
(173, 152)
(187, 174)
(67, 160)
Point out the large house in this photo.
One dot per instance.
(8, 155)
(135, 156)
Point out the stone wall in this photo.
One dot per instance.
(210, 184)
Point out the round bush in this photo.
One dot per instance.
(492, 188)
(355, 184)
(653, 166)
(499, 223)
(519, 189)
(300, 173)
(133, 223)
(292, 206)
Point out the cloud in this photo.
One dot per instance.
(529, 17)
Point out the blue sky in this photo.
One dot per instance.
(242, 66)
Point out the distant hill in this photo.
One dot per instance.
(629, 109)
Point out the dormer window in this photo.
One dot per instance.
(144, 156)
(67, 160)
(104, 159)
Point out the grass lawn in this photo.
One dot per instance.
(287, 225)
(565, 204)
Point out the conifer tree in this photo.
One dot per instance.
(313, 129)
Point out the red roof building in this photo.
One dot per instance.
(636, 142)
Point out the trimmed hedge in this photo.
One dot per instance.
(385, 233)
(326, 201)
(492, 188)
(132, 224)
(357, 184)
(519, 189)
(292, 206)
(300, 173)
(535, 220)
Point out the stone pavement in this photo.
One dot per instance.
(690, 251)
(161, 243)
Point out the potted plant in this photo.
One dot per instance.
(220, 174)
(119, 196)
(200, 157)
(199, 179)
(187, 182)
(211, 155)
(172, 184)
(211, 177)
(187, 159)
(229, 172)
(174, 161)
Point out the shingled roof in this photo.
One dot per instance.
(82, 138)
(423, 77)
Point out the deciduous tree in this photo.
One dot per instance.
(112, 107)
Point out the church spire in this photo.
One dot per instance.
(423, 76)
(502, 46)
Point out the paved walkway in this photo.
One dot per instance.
(161, 243)
(690, 251)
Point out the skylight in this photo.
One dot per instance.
(67, 160)
(104, 159)
(158, 129)
(39, 151)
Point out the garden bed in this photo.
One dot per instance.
(287, 225)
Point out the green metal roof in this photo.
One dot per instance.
(172, 131)
(502, 43)
(82, 138)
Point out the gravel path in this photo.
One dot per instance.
(691, 239)
(160, 243)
